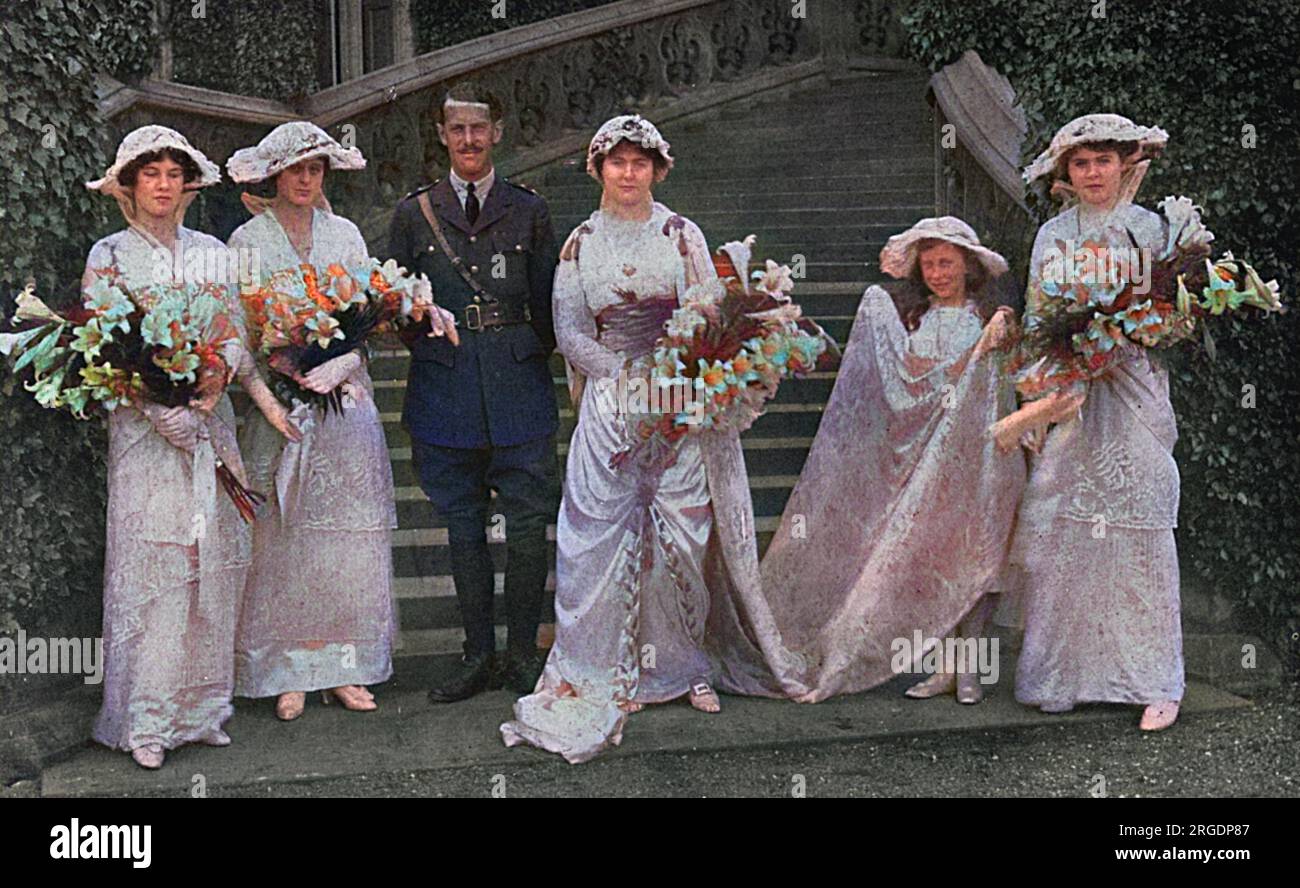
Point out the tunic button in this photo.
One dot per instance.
(477, 299)
(473, 269)
(473, 238)
(430, 248)
(519, 248)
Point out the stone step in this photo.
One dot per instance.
(771, 461)
(836, 210)
(409, 747)
(846, 229)
(889, 109)
(436, 536)
(881, 167)
(391, 365)
(796, 184)
(771, 425)
(426, 595)
(836, 127)
(854, 242)
(764, 457)
(866, 209)
(767, 502)
(857, 94)
(794, 395)
(911, 163)
(795, 148)
(399, 450)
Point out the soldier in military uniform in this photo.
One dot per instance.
(482, 413)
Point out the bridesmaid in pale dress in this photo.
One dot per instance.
(900, 522)
(177, 550)
(657, 594)
(318, 611)
(1096, 527)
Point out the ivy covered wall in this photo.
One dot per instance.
(53, 497)
(269, 49)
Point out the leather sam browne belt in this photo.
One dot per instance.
(486, 311)
(493, 314)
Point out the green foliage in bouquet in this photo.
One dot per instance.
(1232, 130)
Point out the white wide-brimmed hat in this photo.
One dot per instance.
(1096, 128)
(632, 128)
(152, 138)
(898, 258)
(286, 145)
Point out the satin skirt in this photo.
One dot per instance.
(631, 601)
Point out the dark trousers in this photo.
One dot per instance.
(458, 481)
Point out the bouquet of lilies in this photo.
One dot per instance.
(1080, 329)
(724, 352)
(298, 322)
(112, 350)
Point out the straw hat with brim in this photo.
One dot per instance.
(630, 128)
(286, 145)
(898, 258)
(1092, 128)
(148, 139)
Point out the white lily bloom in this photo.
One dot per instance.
(31, 308)
(777, 280)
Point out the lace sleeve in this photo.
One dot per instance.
(575, 327)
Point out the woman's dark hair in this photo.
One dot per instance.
(661, 165)
(912, 297)
(1125, 150)
(126, 178)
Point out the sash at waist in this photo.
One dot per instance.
(633, 328)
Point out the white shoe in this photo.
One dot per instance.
(150, 756)
(1159, 716)
(936, 685)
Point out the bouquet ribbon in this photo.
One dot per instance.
(295, 459)
(218, 446)
(204, 480)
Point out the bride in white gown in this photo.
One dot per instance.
(657, 592)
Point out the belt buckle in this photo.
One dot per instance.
(474, 322)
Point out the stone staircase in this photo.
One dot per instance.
(826, 173)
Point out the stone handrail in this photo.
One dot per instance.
(979, 130)
(117, 98)
(367, 92)
(981, 105)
